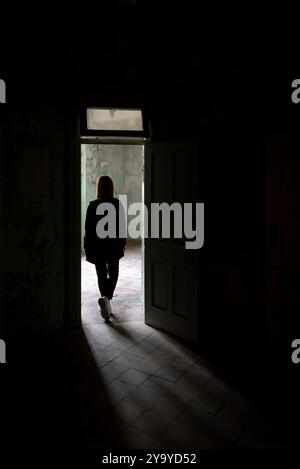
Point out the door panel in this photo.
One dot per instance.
(181, 282)
(171, 271)
(159, 285)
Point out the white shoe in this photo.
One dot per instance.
(108, 305)
(104, 310)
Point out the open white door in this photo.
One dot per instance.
(171, 270)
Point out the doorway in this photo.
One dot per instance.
(169, 273)
(124, 163)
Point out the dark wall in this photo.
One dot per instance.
(1, 221)
(233, 275)
(283, 221)
(33, 192)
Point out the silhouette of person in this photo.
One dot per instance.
(104, 252)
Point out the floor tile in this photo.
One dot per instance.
(135, 439)
(167, 408)
(173, 391)
(141, 397)
(127, 412)
(133, 376)
(113, 369)
(169, 372)
(151, 422)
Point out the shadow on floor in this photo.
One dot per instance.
(56, 398)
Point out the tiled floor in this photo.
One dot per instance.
(125, 384)
(165, 396)
(159, 393)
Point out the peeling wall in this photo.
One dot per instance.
(34, 223)
(123, 163)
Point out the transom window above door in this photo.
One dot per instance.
(113, 121)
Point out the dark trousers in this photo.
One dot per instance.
(107, 273)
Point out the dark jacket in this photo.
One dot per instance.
(97, 249)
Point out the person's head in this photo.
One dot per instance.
(105, 188)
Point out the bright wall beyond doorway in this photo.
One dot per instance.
(123, 163)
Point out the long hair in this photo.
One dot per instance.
(105, 188)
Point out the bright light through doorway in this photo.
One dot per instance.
(124, 163)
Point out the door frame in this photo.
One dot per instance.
(73, 209)
(73, 221)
